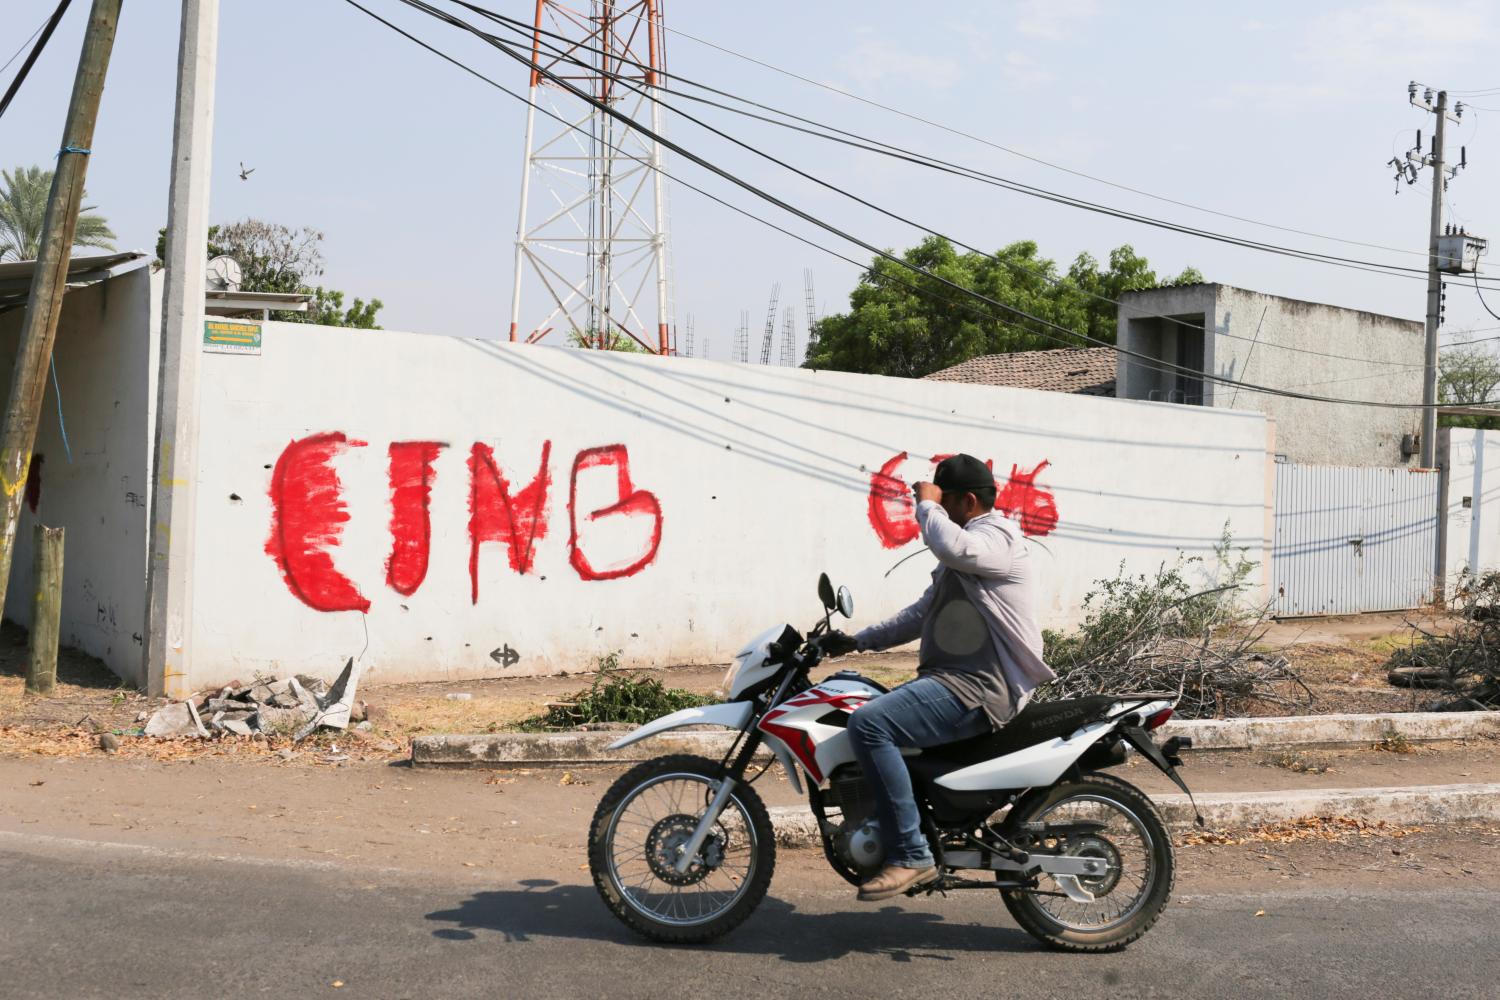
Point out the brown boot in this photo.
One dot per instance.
(893, 880)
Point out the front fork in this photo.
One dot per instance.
(727, 784)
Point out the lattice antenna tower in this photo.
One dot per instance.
(742, 337)
(689, 343)
(789, 338)
(812, 310)
(596, 259)
(765, 344)
(706, 342)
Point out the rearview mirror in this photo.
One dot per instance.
(846, 602)
(825, 592)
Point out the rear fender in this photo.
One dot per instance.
(1037, 765)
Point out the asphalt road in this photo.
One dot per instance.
(84, 919)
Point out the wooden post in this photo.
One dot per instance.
(46, 615)
(50, 276)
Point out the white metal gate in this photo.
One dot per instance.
(1353, 539)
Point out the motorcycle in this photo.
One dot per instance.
(681, 847)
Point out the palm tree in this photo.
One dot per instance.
(23, 205)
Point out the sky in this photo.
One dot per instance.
(1284, 113)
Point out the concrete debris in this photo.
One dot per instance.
(294, 706)
(171, 722)
(282, 721)
(197, 721)
(460, 696)
(317, 685)
(336, 704)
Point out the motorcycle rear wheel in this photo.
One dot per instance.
(1135, 837)
(630, 852)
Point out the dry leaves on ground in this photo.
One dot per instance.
(1333, 829)
(77, 743)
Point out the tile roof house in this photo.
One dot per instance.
(1088, 371)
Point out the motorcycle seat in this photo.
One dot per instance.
(1036, 723)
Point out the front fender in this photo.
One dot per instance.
(730, 715)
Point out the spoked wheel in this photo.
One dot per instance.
(643, 824)
(1116, 825)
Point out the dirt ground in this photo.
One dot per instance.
(1342, 661)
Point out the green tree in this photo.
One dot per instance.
(909, 324)
(278, 258)
(617, 341)
(1468, 376)
(23, 207)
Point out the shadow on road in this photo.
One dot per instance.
(544, 908)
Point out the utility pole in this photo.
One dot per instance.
(50, 276)
(169, 614)
(1434, 291)
(1441, 173)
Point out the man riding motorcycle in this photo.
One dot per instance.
(980, 656)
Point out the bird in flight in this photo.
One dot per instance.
(245, 174)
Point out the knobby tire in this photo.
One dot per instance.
(762, 865)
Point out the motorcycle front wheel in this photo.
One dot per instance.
(635, 839)
(1113, 822)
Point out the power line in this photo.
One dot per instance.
(28, 41)
(606, 108)
(1039, 272)
(888, 149)
(1016, 152)
(44, 35)
(1484, 303)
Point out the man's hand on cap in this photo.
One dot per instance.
(928, 491)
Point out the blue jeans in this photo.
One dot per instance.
(923, 713)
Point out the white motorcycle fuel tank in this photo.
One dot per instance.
(820, 743)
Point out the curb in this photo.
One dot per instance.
(578, 748)
(1407, 806)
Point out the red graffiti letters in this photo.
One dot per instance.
(1020, 499)
(411, 521)
(892, 510)
(496, 514)
(307, 515)
(627, 502)
(615, 529)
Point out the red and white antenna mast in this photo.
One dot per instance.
(591, 240)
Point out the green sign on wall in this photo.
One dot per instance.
(222, 336)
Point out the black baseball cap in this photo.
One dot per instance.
(963, 474)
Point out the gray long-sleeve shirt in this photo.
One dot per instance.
(977, 620)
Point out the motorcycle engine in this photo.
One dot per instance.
(856, 834)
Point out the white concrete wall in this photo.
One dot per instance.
(1473, 502)
(757, 478)
(101, 497)
(1378, 358)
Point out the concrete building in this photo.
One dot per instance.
(1280, 343)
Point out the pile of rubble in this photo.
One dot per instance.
(293, 706)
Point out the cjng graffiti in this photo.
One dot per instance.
(893, 515)
(308, 513)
